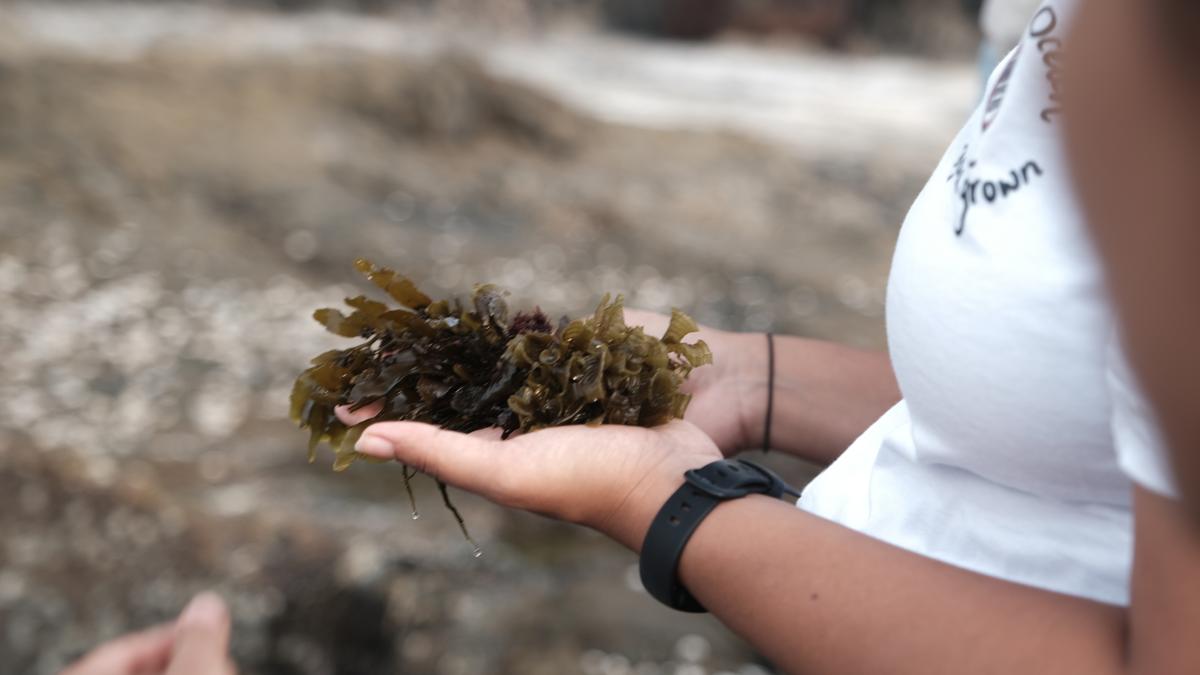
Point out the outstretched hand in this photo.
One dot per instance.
(612, 478)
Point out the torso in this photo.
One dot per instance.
(1000, 458)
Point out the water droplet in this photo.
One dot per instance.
(416, 516)
(478, 552)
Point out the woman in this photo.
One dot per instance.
(988, 521)
(998, 498)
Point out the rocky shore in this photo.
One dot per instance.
(169, 218)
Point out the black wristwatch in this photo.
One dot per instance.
(705, 488)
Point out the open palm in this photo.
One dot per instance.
(593, 475)
(596, 476)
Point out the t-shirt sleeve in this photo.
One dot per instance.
(1141, 452)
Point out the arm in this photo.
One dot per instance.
(815, 596)
(826, 394)
(841, 602)
(1132, 112)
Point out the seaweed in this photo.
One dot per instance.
(468, 366)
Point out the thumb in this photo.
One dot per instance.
(201, 638)
(467, 461)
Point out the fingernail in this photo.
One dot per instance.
(205, 608)
(375, 446)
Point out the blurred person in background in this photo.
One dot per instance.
(1000, 496)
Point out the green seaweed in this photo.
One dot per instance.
(468, 366)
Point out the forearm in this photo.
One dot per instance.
(825, 394)
(817, 597)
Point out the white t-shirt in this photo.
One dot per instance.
(1021, 428)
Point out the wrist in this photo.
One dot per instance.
(629, 512)
(748, 379)
(629, 522)
(705, 489)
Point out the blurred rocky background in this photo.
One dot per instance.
(182, 184)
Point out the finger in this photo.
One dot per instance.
(467, 461)
(145, 651)
(201, 637)
(353, 417)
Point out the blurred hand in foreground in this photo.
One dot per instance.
(197, 643)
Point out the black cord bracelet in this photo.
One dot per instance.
(766, 445)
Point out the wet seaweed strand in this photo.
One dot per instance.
(468, 366)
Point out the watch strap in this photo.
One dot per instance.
(703, 490)
(665, 540)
